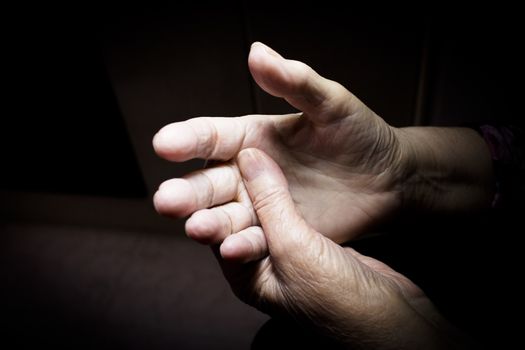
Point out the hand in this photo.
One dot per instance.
(342, 161)
(350, 297)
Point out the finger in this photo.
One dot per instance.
(322, 100)
(212, 226)
(284, 228)
(245, 246)
(206, 138)
(201, 189)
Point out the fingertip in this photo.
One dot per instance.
(174, 142)
(156, 142)
(174, 198)
(203, 227)
(266, 67)
(257, 45)
(161, 141)
(256, 56)
(256, 164)
(251, 163)
(228, 249)
(281, 77)
(236, 248)
(245, 246)
(161, 202)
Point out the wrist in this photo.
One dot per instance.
(401, 326)
(444, 169)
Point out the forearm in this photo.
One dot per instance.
(445, 169)
(400, 327)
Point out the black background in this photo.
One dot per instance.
(64, 132)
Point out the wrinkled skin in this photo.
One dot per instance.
(342, 161)
(286, 190)
(353, 298)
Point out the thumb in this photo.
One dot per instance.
(283, 226)
(322, 100)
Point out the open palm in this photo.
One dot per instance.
(340, 159)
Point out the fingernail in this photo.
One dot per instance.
(256, 44)
(266, 49)
(251, 164)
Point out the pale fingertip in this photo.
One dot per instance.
(203, 227)
(160, 202)
(154, 140)
(174, 198)
(245, 246)
(174, 142)
(269, 70)
(236, 248)
(263, 58)
(254, 165)
(257, 53)
(265, 49)
(159, 141)
(156, 202)
(251, 163)
(256, 44)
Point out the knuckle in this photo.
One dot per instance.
(227, 223)
(199, 231)
(209, 194)
(207, 136)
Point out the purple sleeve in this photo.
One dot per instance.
(506, 148)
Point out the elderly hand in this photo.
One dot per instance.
(342, 161)
(338, 170)
(353, 298)
(347, 169)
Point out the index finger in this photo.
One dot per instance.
(203, 137)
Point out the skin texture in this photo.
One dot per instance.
(347, 169)
(353, 298)
(340, 158)
(288, 188)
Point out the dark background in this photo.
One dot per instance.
(84, 260)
